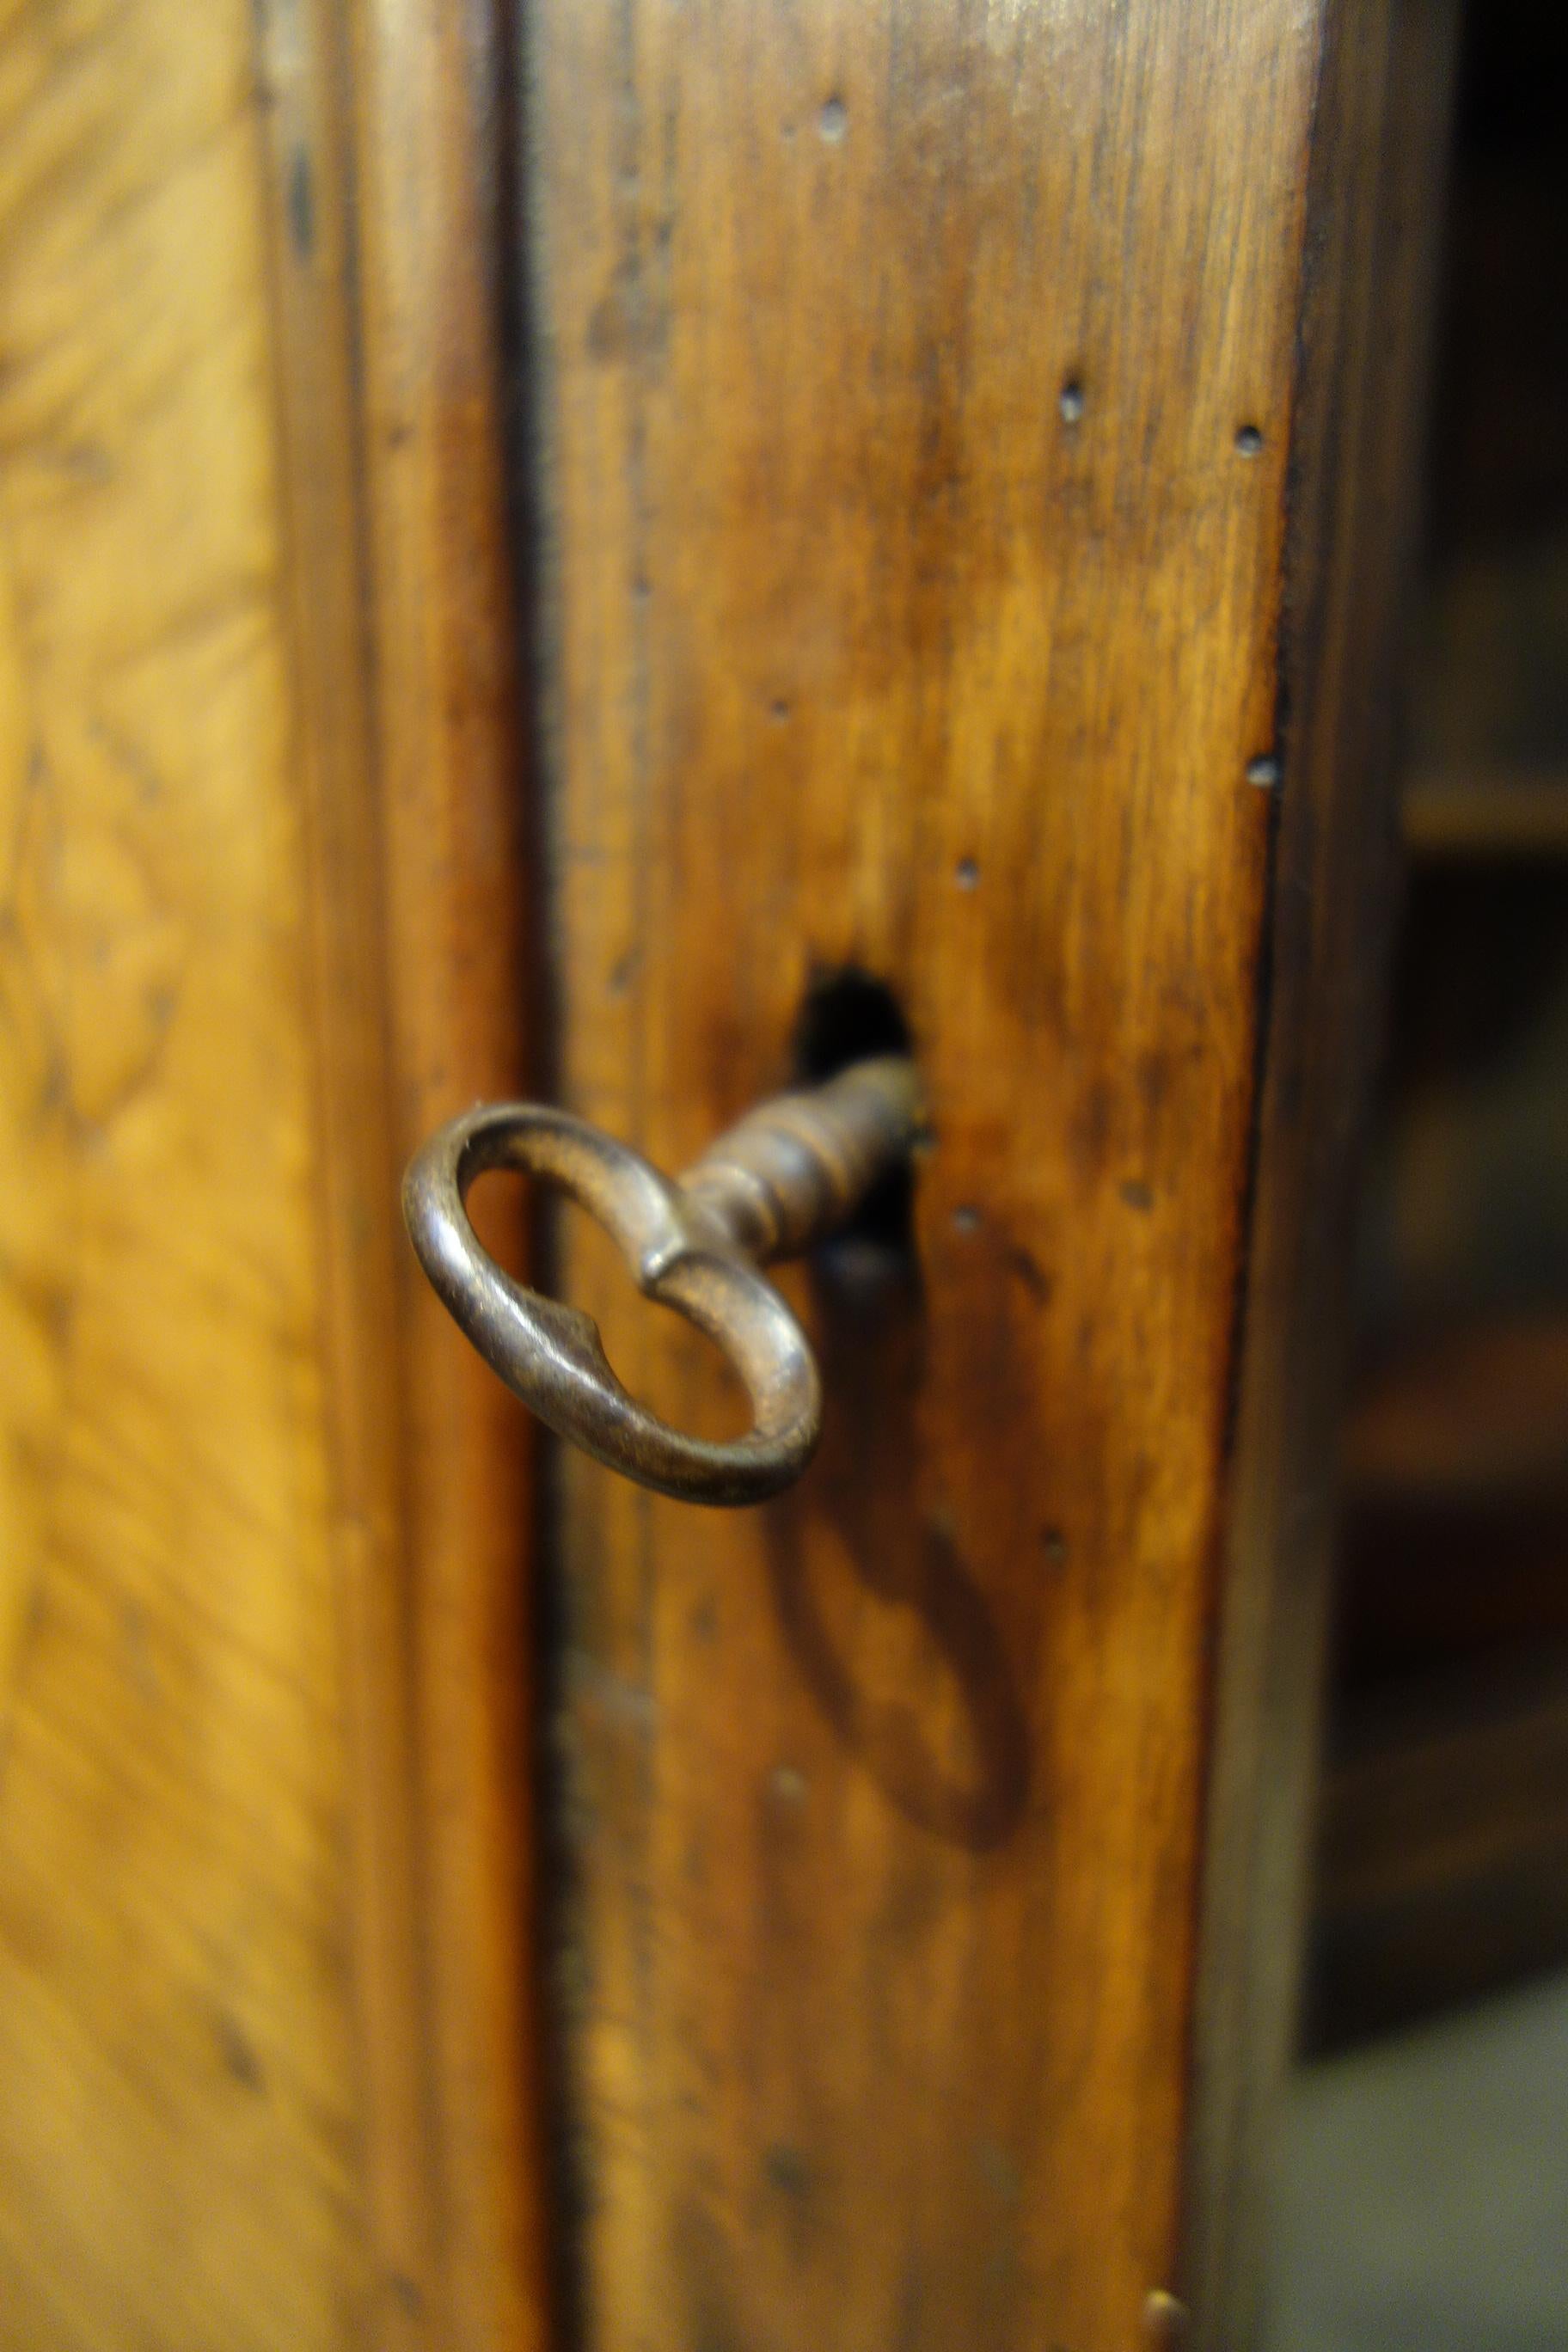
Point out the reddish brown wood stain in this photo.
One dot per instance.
(885, 1801)
(1373, 198)
(916, 401)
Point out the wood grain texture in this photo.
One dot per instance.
(179, 2160)
(910, 600)
(384, 144)
(309, 193)
(429, 114)
(1374, 194)
(262, 1801)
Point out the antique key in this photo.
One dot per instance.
(780, 1181)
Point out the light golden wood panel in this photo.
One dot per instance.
(263, 1814)
(178, 2130)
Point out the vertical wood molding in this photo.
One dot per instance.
(452, 794)
(317, 336)
(386, 130)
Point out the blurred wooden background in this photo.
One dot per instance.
(1444, 1867)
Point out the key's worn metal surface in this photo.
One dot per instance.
(782, 1179)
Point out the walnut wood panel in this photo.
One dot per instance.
(179, 2123)
(914, 406)
(1374, 201)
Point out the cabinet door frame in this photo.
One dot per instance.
(500, 236)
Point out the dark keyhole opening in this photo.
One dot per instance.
(849, 1016)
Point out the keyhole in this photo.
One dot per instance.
(849, 1016)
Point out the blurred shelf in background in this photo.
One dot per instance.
(1500, 813)
(1443, 1859)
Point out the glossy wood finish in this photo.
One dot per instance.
(914, 397)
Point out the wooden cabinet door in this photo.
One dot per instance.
(761, 530)
(969, 453)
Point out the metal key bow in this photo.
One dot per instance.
(771, 1187)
